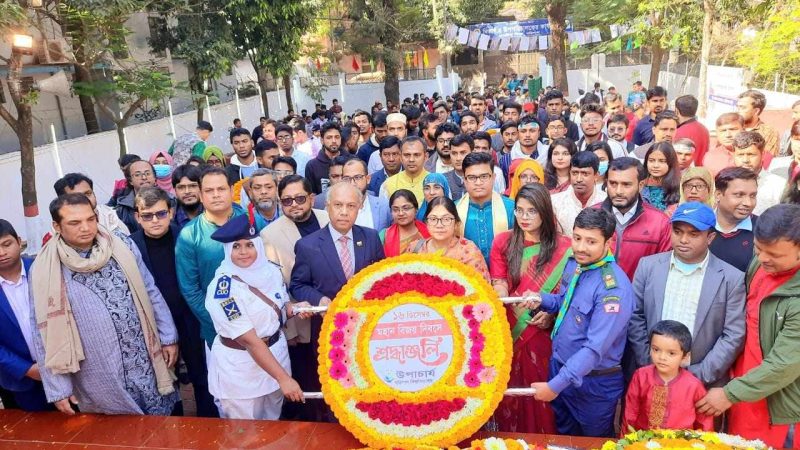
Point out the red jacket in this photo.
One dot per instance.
(647, 233)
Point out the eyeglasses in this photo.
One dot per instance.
(402, 209)
(356, 178)
(145, 174)
(149, 217)
(474, 178)
(446, 221)
(300, 200)
(556, 127)
(522, 213)
(444, 141)
(214, 162)
(699, 187)
(283, 138)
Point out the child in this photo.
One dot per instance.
(663, 394)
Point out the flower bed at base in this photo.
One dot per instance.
(682, 439)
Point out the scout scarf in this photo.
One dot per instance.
(571, 289)
(54, 319)
(499, 218)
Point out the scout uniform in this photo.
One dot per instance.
(239, 300)
(588, 340)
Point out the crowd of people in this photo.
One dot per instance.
(659, 267)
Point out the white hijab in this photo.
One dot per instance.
(261, 274)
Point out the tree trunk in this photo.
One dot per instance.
(391, 83)
(23, 128)
(557, 54)
(705, 55)
(87, 105)
(287, 87)
(655, 65)
(123, 147)
(261, 78)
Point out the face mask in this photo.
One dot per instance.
(603, 167)
(162, 170)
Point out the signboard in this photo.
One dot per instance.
(532, 27)
(411, 347)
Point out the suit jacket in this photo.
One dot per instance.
(318, 271)
(15, 357)
(381, 214)
(719, 326)
(279, 239)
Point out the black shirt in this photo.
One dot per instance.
(161, 252)
(309, 226)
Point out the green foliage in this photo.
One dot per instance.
(12, 17)
(773, 51)
(271, 31)
(137, 84)
(200, 35)
(473, 11)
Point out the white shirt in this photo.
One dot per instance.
(441, 167)
(682, 292)
(516, 153)
(232, 373)
(567, 207)
(623, 219)
(19, 299)
(770, 188)
(364, 217)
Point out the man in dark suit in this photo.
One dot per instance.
(326, 259)
(691, 285)
(156, 241)
(20, 382)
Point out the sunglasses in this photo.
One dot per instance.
(300, 200)
(149, 217)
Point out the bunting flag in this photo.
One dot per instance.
(425, 61)
(637, 42)
(408, 59)
(629, 45)
(416, 59)
(371, 65)
(356, 67)
(319, 64)
(616, 45)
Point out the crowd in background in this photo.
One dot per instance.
(659, 265)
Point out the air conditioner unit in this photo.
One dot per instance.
(55, 51)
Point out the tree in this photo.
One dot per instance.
(12, 18)
(101, 36)
(378, 30)
(200, 35)
(271, 32)
(773, 52)
(557, 53)
(131, 86)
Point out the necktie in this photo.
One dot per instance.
(345, 257)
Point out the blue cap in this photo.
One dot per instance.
(696, 214)
(239, 227)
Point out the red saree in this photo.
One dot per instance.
(532, 345)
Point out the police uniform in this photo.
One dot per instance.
(588, 343)
(239, 300)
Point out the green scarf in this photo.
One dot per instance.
(562, 312)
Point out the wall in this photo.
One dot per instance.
(96, 155)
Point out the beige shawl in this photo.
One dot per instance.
(54, 319)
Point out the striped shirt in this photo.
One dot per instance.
(682, 294)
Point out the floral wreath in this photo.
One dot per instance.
(415, 349)
(682, 439)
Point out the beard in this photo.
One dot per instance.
(334, 150)
(189, 206)
(266, 204)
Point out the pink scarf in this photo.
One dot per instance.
(164, 183)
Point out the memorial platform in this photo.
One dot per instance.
(53, 430)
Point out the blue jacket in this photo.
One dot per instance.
(318, 271)
(594, 330)
(15, 358)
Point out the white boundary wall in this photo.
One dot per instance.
(96, 155)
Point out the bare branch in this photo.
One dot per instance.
(6, 115)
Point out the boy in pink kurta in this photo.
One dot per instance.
(663, 394)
